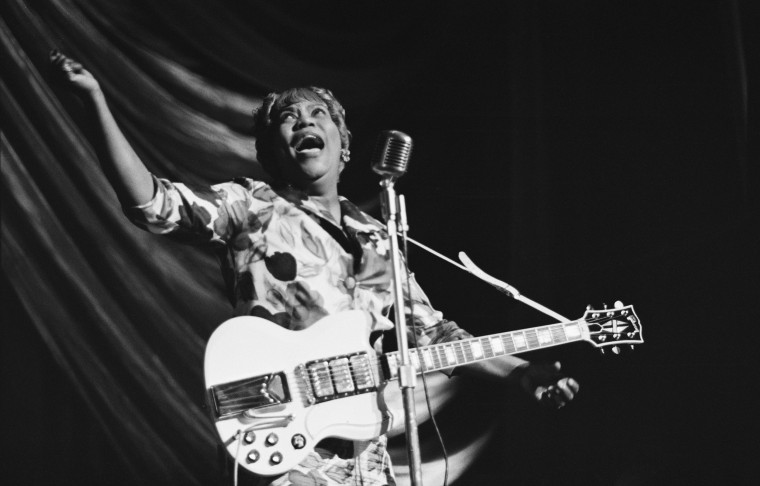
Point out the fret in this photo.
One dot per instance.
(451, 358)
(469, 356)
(509, 343)
(477, 349)
(497, 345)
(392, 364)
(414, 358)
(435, 351)
(519, 341)
(532, 338)
(486, 345)
(457, 348)
(461, 348)
(457, 351)
(558, 334)
(544, 336)
(433, 357)
(427, 358)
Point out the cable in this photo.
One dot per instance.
(237, 458)
(410, 325)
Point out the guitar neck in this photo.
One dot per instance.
(457, 353)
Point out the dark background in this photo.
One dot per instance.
(585, 152)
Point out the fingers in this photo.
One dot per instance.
(63, 64)
(560, 393)
(568, 388)
(549, 387)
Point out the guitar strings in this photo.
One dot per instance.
(437, 353)
(369, 367)
(367, 371)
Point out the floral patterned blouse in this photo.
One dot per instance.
(287, 260)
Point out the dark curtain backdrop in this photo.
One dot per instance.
(584, 152)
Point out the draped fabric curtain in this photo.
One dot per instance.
(123, 313)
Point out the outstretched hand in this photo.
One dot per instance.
(76, 77)
(547, 385)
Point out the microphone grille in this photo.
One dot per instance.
(392, 153)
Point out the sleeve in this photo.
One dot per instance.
(195, 215)
(429, 324)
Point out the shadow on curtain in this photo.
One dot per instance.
(124, 314)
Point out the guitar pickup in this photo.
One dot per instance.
(339, 377)
(235, 397)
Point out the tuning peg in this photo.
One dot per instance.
(589, 307)
(619, 304)
(632, 346)
(605, 306)
(615, 349)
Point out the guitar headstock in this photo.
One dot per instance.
(613, 327)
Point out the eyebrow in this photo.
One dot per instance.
(309, 105)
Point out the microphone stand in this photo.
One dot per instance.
(406, 373)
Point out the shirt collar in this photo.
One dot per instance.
(353, 218)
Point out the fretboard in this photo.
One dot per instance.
(465, 351)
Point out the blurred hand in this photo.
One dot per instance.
(547, 385)
(72, 74)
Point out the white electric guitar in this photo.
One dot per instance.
(274, 393)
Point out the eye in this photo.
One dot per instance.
(287, 116)
(320, 110)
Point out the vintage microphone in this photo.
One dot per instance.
(392, 153)
(390, 160)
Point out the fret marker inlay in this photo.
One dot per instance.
(519, 340)
(477, 350)
(498, 347)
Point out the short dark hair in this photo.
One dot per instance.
(265, 118)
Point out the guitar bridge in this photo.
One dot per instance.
(239, 396)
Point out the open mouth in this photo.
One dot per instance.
(308, 142)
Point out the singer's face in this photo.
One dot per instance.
(308, 145)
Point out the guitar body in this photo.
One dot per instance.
(271, 438)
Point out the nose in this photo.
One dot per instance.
(303, 120)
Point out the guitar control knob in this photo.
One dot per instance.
(272, 439)
(275, 458)
(249, 437)
(252, 456)
(298, 441)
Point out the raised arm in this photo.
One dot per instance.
(123, 168)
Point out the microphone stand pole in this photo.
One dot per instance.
(406, 373)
